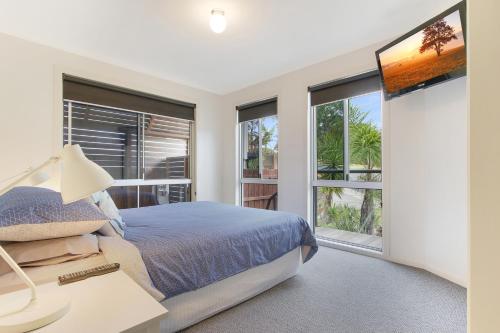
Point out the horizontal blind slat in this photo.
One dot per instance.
(114, 140)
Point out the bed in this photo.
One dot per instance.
(199, 258)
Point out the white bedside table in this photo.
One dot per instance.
(108, 303)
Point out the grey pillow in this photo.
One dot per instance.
(33, 213)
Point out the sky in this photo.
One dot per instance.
(370, 103)
(410, 46)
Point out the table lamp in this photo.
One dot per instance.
(79, 179)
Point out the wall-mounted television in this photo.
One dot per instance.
(431, 53)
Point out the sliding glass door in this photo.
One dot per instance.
(347, 170)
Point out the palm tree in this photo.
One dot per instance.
(365, 144)
(366, 148)
(330, 148)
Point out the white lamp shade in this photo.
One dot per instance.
(81, 177)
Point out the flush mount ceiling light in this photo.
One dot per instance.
(217, 21)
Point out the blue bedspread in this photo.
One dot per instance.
(187, 246)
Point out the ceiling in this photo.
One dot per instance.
(172, 40)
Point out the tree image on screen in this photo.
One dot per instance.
(436, 36)
(437, 49)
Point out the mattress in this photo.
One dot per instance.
(187, 246)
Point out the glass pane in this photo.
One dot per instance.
(179, 193)
(148, 195)
(107, 136)
(270, 147)
(365, 138)
(264, 196)
(330, 141)
(164, 194)
(348, 215)
(124, 196)
(166, 147)
(250, 151)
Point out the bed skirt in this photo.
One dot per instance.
(192, 307)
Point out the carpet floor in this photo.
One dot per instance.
(341, 292)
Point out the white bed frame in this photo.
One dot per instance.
(192, 307)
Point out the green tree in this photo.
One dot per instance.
(267, 134)
(365, 144)
(366, 148)
(252, 158)
(330, 147)
(252, 163)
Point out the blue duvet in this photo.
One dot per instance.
(187, 246)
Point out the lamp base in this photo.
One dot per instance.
(50, 305)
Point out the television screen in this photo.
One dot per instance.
(432, 53)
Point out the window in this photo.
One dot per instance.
(148, 154)
(258, 129)
(347, 157)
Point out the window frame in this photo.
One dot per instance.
(259, 180)
(137, 182)
(241, 142)
(316, 183)
(346, 182)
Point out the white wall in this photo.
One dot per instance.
(428, 179)
(484, 148)
(425, 137)
(31, 108)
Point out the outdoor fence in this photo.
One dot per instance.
(264, 196)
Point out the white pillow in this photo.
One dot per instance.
(49, 251)
(104, 201)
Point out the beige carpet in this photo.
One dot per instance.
(343, 292)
